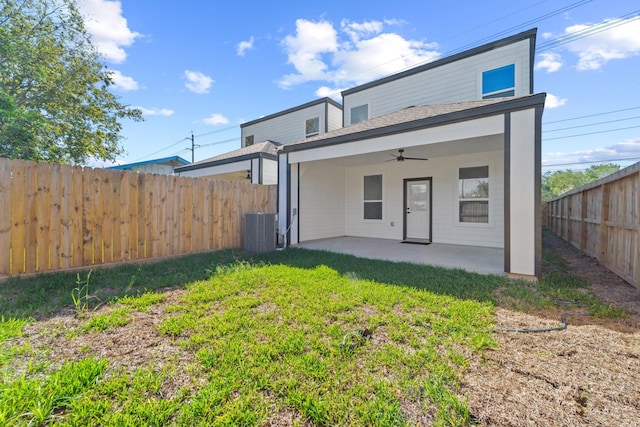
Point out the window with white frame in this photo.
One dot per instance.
(373, 197)
(473, 194)
(248, 140)
(499, 82)
(312, 127)
(359, 113)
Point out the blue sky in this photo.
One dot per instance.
(207, 66)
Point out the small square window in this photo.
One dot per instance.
(499, 82)
(312, 127)
(359, 113)
(248, 140)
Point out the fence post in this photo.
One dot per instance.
(604, 229)
(583, 220)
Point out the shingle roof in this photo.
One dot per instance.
(406, 116)
(263, 148)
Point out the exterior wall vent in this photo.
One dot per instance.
(259, 232)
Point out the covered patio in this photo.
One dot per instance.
(474, 259)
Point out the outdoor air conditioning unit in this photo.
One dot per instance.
(259, 232)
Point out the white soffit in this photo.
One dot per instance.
(471, 129)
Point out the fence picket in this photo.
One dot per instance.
(62, 216)
(5, 216)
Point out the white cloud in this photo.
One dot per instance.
(109, 30)
(325, 91)
(216, 119)
(155, 111)
(553, 101)
(243, 46)
(122, 82)
(621, 41)
(551, 62)
(620, 150)
(197, 82)
(360, 52)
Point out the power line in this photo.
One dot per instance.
(591, 115)
(591, 161)
(221, 142)
(592, 124)
(591, 133)
(161, 150)
(589, 31)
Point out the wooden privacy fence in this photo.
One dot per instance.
(602, 219)
(58, 216)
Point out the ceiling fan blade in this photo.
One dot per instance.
(415, 158)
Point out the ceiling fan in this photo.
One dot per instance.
(401, 157)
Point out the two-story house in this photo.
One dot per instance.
(447, 152)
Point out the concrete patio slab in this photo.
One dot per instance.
(470, 258)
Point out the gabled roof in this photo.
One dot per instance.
(293, 109)
(169, 161)
(266, 149)
(529, 34)
(418, 117)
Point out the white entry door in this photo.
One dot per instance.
(417, 196)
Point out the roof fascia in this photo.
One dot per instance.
(150, 162)
(260, 155)
(292, 110)
(441, 120)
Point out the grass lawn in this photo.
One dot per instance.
(295, 337)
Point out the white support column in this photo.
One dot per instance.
(283, 201)
(524, 194)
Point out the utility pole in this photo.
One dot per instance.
(193, 147)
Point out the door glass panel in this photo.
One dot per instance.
(418, 197)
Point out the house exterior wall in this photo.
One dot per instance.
(334, 118)
(211, 171)
(322, 201)
(269, 172)
(444, 174)
(154, 168)
(453, 82)
(290, 127)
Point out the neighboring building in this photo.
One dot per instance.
(295, 124)
(256, 163)
(476, 119)
(163, 166)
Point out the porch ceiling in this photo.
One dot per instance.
(429, 151)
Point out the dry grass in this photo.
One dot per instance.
(585, 375)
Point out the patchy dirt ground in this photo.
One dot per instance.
(587, 374)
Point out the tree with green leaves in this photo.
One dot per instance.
(55, 99)
(557, 182)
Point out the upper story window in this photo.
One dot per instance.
(359, 113)
(312, 127)
(248, 140)
(373, 197)
(473, 194)
(499, 82)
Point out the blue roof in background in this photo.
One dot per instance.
(172, 159)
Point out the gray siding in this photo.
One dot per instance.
(288, 128)
(453, 82)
